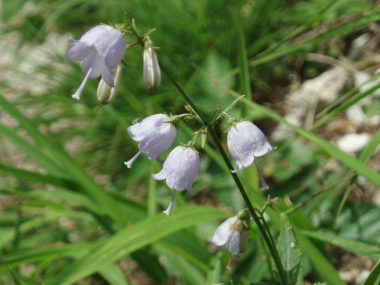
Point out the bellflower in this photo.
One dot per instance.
(245, 141)
(106, 93)
(228, 235)
(155, 134)
(180, 169)
(152, 73)
(100, 50)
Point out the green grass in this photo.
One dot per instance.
(71, 210)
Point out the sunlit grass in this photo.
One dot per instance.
(71, 210)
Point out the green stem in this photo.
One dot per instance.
(187, 99)
(266, 235)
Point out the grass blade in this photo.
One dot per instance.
(106, 202)
(374, 276)
(132, 238)
(354, 246)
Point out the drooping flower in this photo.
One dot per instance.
(180, 169)
(152, 72)
(245, 141)
(100, 50)
(155, 133)
(106, 93)
(228, 235)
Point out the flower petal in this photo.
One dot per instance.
(154, 134)
(160, 175)
(180, 168)
(221, 234)
(108, 77)
(233, 243)
(246, 141)
(79, 51)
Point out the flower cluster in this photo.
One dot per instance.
(101, 51)
(157, 133)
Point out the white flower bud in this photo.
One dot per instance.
(152, 72)
(105, 93)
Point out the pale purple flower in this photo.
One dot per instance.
(245, 141)
(228, 235)
(180, 169)
(100, 50)
(152, 73)
(155, 134)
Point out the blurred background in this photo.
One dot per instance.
(72, 213)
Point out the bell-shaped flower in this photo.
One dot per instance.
(228, 236)
(100, 50)
(245, 141)
(155, 133)
(106, 93)
(180, 169)
(152, 72)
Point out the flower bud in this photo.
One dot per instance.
(152, 73)
(106, 93)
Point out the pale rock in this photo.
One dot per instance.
(352, 143)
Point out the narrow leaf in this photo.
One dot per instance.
(132, 238)
(374, 276)
(289, 252)
(351, 245)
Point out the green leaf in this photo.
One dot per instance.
(340, 30)
(132, 238)
(364, 157)
(289, 251)
(106, 202)
(354, 246)
(374, 277)
(216, 66)
(189, 271)
(38, 177)
(114, 275)
(360, 222)
(35, 255)
(321, 264)
(333, 151)
(32, 152)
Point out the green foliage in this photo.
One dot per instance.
(289, 251)
(71, 210)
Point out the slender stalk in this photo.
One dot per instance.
(184, 95)
(266, 235)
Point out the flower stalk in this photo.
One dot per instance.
(209, 126)
(264, 231)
